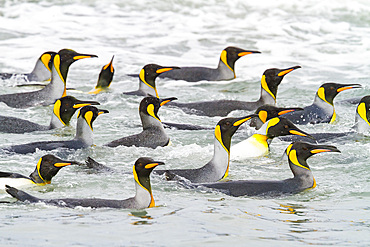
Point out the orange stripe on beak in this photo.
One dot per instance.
(285, 72)
(237, 123)
(284, 112)
(80, 57)
(241, 54)
(159, 71)
(294, 132)
(316, 151)
(151, 165)
(343, 88)
(62, 164)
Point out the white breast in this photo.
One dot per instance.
(14, 182)
(249, 148)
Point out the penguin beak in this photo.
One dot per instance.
(102, 111)
(109, 65)
(350, 86)
(165, 69)
(299, 132)
(165, 101)
(62, 164)
(323, 148)
(81, 103)
(82, 56)
(282, 112)
(242, 120)
(154, 164)
(244, 53)
(288, 70)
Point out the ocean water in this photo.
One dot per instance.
(329, 39)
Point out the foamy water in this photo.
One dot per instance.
(329, 39)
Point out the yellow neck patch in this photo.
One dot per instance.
(361, 110)
(45, 59)
(88, 117)
(288, 149)
(224, 60)
(150, 110)
(38, 172)
(219, 137)
(57, 67)
(263, 116)
(152, 203)
(266, 88)
(333, 117)
(56, 111)
(271, 123)
(293, 158)
(321, 94)
(142, 78)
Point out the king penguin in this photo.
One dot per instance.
(322, 109)
(47, 167)
(298, 153)
(105, 78)
(41, 71)
(266, 112)
(153, 134)
(218, 167)
(270, 81)
(224, 71)
(147, 77)
(143, 198)
(51, 92)
(360, 128)
(258, 144)
(82, 139)
(63, 110)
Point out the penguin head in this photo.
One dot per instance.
(47, 59)
(89, 114)
(231, 54)
(280, 126)
(272, 78)
(362, 121)
(65, 107)
(298, 152)
(150, 72)
(106, 75)
(226, 128)
(47, 167)
(64, 58)
(150, 106)
(328, 91)
(266, 112)
(142, 169)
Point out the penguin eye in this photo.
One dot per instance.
(305, 149)
(286, 126)
(332, 88)
(227, 123)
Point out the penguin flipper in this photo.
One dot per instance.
(11, 175)
(133, 75)
(20, 195)
(92, 164)
(184, 126)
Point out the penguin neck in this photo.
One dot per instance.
(83, 132)
(361, 126)
(303, 174)
(149, 122)
(40, 72)
(37, 179)
(266, 98)
(325, 106)
(143, 196)
(146, 89)
(55, 122)
(57, 86)
(220, 160)
(225, 71)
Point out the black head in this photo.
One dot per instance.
(106, 75)
(226, 128)
(150, 72)
(363, 109)
(90, 113)
(150, 105)
(47, 167)
(231, 54)
(266, 112)
(65, 107)
(328, 91)
(298, 152)
(142, 169)
(64, 58)
(280, 126)
(272, 78)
